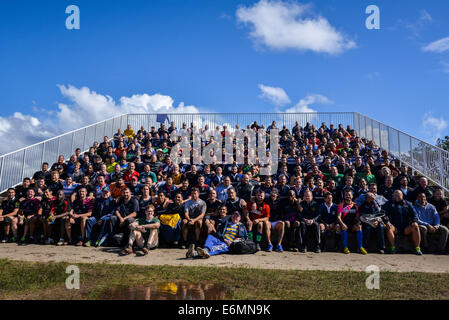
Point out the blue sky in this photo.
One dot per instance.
(212, 58)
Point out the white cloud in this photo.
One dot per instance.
(433, 126)
(85, 107)
(425, 16)
(289, 25)
(274, 94)
(438, 46)
(303, 105)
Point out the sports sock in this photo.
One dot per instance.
(359, 236)
(344, 238)
(250, 235)
(258, 237)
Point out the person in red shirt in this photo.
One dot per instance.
(131, 172)
(257, 216)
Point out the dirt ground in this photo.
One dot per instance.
(274, 260)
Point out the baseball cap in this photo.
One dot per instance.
(236, 212)
(106, 189)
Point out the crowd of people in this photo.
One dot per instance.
(126, 191)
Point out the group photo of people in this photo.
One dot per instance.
(332, 191)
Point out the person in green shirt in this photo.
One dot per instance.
(334, 175)
(367, 175)
(144, 232)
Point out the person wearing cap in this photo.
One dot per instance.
(231, 230)
(134, 186)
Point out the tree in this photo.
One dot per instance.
(443, 143)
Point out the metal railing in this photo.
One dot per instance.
(422, 157)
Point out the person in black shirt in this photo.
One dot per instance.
(387, 189)
(291, 218)
(328, 215)
(125, 212)
(370, 206)
(44, 173)
(21, 191)
(276, 223)
(8, 212)
(211, 218)
(54, 184)
(309, 213)
(441, 205)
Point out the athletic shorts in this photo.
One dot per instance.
(274, 223)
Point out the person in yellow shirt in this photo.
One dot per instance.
(129, 132)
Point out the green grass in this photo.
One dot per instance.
(26, 280)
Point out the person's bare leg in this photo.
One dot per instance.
(198, 226)
(14, 227)
(267, 226)
(279, 231)
(184, 230)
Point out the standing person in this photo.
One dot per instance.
(257, 216)
(194, 212)
(370, 206)
(349, 220)
(429, 222)
(82, 209)
(309, 214)
(401, 218)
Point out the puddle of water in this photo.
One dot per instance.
(166, 291)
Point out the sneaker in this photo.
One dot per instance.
(101, 241)
(47, 241)
(381, 251)
(60, 242)
(22, 240)
(189, 253)
(203, 253)
(79, 244)
(418, 251)
(318, 250)
(303, 250)
(175, 243)
(279, 248)
(258, 246)
(87, 243)
(145, 251)
(13, 239)
(270, 247)
(362, 250)
(392, 250)
(346, 250)
(5, 239)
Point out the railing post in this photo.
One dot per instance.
(59, 146)
(412, 162)
(1, 173)
(380, 135)
(23, 163)
(84, 140)
(440, 160)
(71, 149)
(424, 156)
(399, 147)
(43, 152)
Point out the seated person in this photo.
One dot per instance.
(144, 232)
(349, 220)
(370, 206)
(194, 212)
(309, 216)
(401, 217)
(229, 231)
(429, 222)
(8, 215)
(257, 216)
